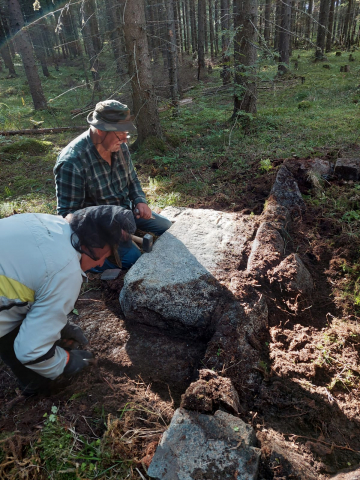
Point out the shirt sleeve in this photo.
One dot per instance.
(70, 187)
(46, 318)
(136, 193)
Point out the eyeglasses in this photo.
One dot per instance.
(126, 134)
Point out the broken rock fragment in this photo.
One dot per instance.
(306, 170)
(266, 250)
(348, 168)
(283, 456)
(209, 393)
(286, 191)
(205, 446)
(292, 275)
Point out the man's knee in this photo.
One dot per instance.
(164, 223)
(158, 224)
(129, 255)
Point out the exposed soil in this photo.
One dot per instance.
(307, 401)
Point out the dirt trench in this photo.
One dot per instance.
(305, 429)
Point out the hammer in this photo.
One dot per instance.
(146, 242)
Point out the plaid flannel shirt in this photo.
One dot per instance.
(83, 178)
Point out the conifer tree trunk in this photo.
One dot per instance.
(339, 23)
(284, 37)
(293, 29)
(156, 6)
(65, 29)
(354, 24)
(278, 16)
(329, 34)
(91, 14)
(347, 23)
(24, 47)
(245, 14)
(201, 36)
(91, 42)
(206, 35)
(217, 25)
(5, 55)
(6, 26)
(47, 40)
(178, 30)
(300, 18)
(309, 20)
(163, 34)
(39, 48)
(143, 93)
(114, 33)
(267, 21)
(225, 24)
(36, 25)
(172, 53)
(5, 50)
(186, 24)
(211, 30)
(322, 29)
(336, 16)
(149, 14)
(193, 25)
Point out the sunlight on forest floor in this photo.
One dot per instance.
(212, 154)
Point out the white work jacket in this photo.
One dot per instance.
(40, 280)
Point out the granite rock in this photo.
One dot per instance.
(205, 446)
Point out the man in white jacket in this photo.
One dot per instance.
(42, 263)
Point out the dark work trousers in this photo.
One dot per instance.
(31, 382)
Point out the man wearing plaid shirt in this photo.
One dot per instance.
(96, 169)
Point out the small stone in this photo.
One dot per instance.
(110, 274)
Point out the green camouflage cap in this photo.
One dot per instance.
(112, 116)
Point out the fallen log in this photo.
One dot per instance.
(36, 131)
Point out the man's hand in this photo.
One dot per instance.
(144, 211)
(78, 359)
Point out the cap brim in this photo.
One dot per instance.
(111, 127)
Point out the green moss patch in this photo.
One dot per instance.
(28, 145)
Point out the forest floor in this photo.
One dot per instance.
(107, 422)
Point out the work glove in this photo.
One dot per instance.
(72, 337)
(78, 359)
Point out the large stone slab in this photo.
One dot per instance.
(210, 234)
(177, 286)
(204, 446)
